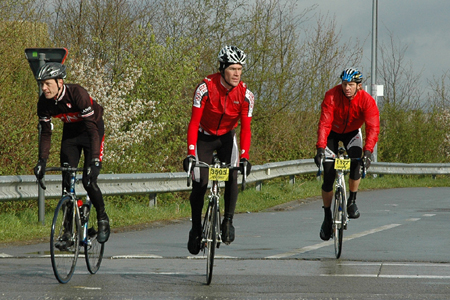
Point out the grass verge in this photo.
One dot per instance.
(19, 223)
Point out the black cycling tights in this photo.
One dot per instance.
(227, 151)
(70, 153)
(354, 150)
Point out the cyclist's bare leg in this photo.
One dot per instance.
(353, 185)
(327, 197)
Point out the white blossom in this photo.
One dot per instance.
(123, 117)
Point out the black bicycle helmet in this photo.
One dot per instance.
(230, 55)
(51, 70)
(351, 74)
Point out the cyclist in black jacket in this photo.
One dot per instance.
(83, 130)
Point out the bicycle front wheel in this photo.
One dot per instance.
(211, 237)
(93, 250)
(338, 221)
(64, 240)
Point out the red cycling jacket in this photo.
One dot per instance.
(217, 110)
(341, 115)
(78, 112)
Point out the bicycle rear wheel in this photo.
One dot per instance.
(210, 227)
(338, 221)
(64, 240)
(93, 250)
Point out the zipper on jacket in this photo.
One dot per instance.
(224, 110)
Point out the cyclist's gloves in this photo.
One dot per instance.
(39, 170)
(186, 162)
(249, 166)
(318, 158)
(94, 170)
(367, 159)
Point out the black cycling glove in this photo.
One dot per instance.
(39, 170)
(367, 159)
(249, 166)
(319, 156)
(186, 162)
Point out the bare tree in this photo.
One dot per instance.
(401, 82)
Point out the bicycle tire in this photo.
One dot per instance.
(64, 240)
(338, 221)
(93, 250)
(211, 238)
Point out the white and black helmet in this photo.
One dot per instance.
(230, 55)
(51, 70)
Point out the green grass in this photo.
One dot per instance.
(19, 220)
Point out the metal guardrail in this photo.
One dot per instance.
(26, 188)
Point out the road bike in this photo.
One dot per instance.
(71, 231)
(340, 217)
(211, 233)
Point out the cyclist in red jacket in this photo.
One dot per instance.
(220, 101)
(83, 130)
(345, 108)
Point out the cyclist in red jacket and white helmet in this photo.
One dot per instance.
(345, 108)
(221, 100)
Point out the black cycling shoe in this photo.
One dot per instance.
(352, 210)
(194, 242)
(326, 229)
(103, 231)
(227, 231)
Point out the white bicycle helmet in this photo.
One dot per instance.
(231, 55)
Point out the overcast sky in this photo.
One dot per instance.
(421, 25)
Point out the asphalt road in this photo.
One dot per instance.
(398, 249)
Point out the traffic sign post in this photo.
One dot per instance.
(37, 57)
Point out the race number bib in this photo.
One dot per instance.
(342, 164)
(218, 174)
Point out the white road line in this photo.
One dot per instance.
(136, 256)
(327, 243)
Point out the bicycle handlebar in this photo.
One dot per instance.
(363, 167)
(193, 163)
(61, 169)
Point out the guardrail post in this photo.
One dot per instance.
(292, 179)
(153, 200)
(259, 186)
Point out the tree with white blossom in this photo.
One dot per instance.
(126, 117)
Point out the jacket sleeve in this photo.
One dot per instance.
(372, 120)
(200, 96)
(246, 118)
(325, 121)
(45, 133)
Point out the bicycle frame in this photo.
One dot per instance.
(70, 231)
(211, 233)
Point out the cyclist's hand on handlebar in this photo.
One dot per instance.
(367, 159)
(39, 170)
(242, 164)
(319, 156)
(186, 161)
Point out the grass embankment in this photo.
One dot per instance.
(19, 223)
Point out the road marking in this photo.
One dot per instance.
(331, 242)
(135, 256)
(5, 255)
